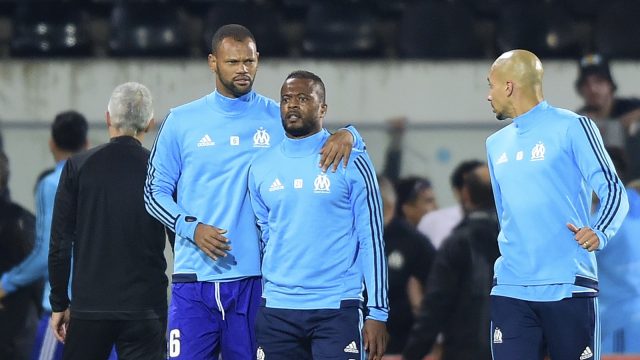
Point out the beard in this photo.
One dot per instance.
(302, 129)
(235, 90)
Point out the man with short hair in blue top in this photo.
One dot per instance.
(68, 137)
(202, 156)
(321, 239)
(544, 167)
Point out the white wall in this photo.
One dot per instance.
(445, 102)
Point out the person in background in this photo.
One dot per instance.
(409, 257)
(617, 118)
(68, 137)
(618, 265)
(438, 224)
(415, 198)
(18, 309)
(543, 168)
(456, 302)
(119, 284)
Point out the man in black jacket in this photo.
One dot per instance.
(409, 256)
(119, 283)
(456, 301)
(18, 310)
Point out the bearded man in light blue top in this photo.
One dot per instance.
(197, 186)
(544, 167)
(322, 240)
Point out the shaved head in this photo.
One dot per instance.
(521, 66)
(515, 82)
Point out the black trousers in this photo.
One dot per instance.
(134, 339)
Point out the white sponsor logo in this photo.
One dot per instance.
(519, 155)
(234, 140)
(537, 153)
(206, 141)
(321, 184)
(260, 353)
(351, 348)
(297, 184)
(497, 336)
(261, 138)
(276, 185)
(502, 159)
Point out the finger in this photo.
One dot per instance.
(345, 157)
(208, 252)
(220, 231)
(574, 229)
(330, 158)
(373, 349)
(340, 155)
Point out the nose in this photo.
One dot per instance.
(489, 98)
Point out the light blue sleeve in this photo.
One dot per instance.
(34, 266)
(366, 204)
(358, 141)
(260, 209)
(163, 173)
(597, 169)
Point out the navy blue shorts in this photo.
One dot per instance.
(529, 330)
(207, 319)
(285, 334)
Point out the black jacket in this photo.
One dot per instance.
(456, 301)
(409, 253)
(118, 248)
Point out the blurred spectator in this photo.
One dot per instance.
(438, 224)
(617, 118)
(618, 265)
(68, 136)
(456, 301)
(415, 198)
(409, 256)
(18, 309)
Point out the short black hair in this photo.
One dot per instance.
(463, 168)
(480, 190)
(308, 75)
(69, 131)
(234, 31)
(408, 189)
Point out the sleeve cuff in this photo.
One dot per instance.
(358, 142)
(186, 227)
(603, 239)
(378, 314)
(7, 286)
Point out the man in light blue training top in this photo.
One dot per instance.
(68, 137)
(544, 167)
(321, 239)
(202, 155)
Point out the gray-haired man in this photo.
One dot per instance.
(119, 284)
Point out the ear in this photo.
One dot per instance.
(323, 110)
(152, 123)
(52, 145)
(211, 59)
(509, 88)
